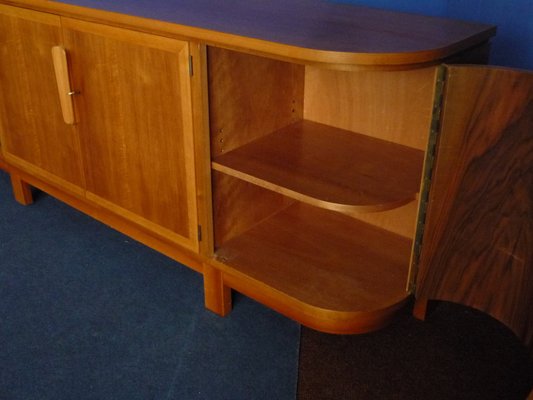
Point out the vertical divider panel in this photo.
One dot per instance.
(249, 97)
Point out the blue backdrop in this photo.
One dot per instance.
(513, 44)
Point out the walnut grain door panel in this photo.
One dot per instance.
(34, 136)
(478, 241)
(135, 121)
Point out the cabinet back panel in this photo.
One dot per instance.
(239, 206)
(393, 106)
(250, 97)
(401, 220)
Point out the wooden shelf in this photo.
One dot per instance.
(328, 167)
(336, 270)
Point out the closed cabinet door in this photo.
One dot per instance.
(33, 133)
(134, 117)
(478, 241)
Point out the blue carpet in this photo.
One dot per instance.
(87, 313)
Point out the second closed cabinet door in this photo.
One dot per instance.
(132, 101)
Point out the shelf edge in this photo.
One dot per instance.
(321, 319)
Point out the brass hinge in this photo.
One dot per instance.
(191, 69)
(427, 174)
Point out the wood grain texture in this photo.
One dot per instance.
(327, 262)
(239, 206)
(217, 294)
(400, 220)
(329, 321)
(135, 123)
(202, 151)
(308, 30)
(21, 190)
(3, 164)
(32, 127)
(65, 92)
(250, 97)
(328, 167)
(124, 225)
(478, 243)
(393, 106)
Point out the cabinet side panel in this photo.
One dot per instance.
(32, 128)
(135, 122)
(478, 243)
(250, 97)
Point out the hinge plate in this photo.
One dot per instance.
(191, 68)
(427, 174)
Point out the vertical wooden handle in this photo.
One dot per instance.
(59, 57)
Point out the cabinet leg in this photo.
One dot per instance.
(21, 190)
(217, 295)
(420, 309)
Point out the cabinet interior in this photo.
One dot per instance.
(316, 175)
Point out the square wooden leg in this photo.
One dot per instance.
(217, 295)
(3, 165)
(420, 309)
(21, 190)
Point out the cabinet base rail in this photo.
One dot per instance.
(22, 182)
(219, 280)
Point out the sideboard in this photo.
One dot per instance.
(329, 161)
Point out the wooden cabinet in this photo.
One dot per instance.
(330, 176)
(130, 149)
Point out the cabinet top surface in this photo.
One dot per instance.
(312, 30)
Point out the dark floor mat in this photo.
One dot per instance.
(458, 353)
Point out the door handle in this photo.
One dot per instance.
(59, 57)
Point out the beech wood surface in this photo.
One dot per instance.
(21, 190)
(119, 222)
(328, 167)
(32, 126)
(393, 106)
(308, 30)
(202, 152)
(478, 242)
(143, 170)
(250, 97)
(330, 321)
(65, 92)
(135, 124)
(217, 295)
(3, 165)
(325, 260)
(239, 205)
(400, 220)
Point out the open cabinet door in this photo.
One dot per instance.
(477, 247)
